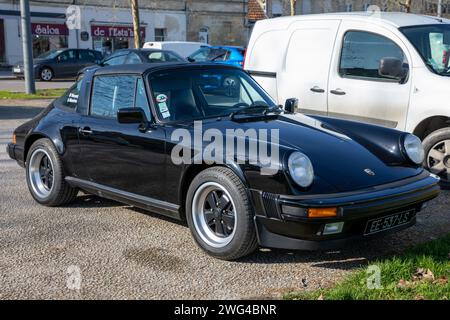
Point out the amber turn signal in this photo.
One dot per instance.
(322, 212)
(14, 139)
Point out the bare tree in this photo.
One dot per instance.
(406, 4)
(136, 23)
(293, 3)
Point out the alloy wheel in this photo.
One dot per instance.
(41, 173)
(214, 215)
(46, 74)
(438, 160)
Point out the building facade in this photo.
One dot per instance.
(106, 25)
(276, 8)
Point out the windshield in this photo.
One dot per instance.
(183, 95)
(49, 54)
(210, 54)
(433, 44)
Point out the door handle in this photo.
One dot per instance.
(338, 92)
(85, 131)
(317, 89)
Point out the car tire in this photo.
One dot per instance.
(437, 155)
(45, 175)
(235, 239)
(46, 74)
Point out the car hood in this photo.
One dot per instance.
(337, 158)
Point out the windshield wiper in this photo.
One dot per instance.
(255, 109)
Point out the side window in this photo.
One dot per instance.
(68, 55)
(111, 93)
(133, 58)
(141, 98)
(157, 56)
(362, 52)
(70, 98)
(115, 60)
(87, 55)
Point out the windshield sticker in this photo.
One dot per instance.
(163, 107)
(161, 98)
(166, 114)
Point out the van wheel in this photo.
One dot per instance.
(437, 149)
(219, 214)
(45, 176)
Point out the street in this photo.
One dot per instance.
(126, 253)
(9, 83)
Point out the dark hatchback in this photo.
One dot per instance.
(116, 133)
(62, 63)
(137, 56)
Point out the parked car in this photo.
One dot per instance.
(61, 63)
(219, 54)
(389, 69)
(133, 56)
(183, 48)
(111, 134)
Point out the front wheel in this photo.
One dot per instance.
(219, 214)
(437, 149)
(46, 74)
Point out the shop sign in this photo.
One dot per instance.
(49, 29)
(115, 31)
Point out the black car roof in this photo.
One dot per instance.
(149, 67)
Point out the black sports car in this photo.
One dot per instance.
(180, 138)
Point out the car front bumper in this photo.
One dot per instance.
(281, 221)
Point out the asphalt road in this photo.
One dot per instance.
(12, 84)
(126, 253)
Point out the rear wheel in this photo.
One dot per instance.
(46, 74)
(437, 149)
(219, 214)
(45, 177)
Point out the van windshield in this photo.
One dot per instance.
(433, 44)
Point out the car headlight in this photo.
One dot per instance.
(301, 169)
(414, 149)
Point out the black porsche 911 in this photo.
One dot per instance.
(204, 143)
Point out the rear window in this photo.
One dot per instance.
(70, 98)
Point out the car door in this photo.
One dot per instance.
(304, 73)
(356, 89)
(120, 156)
(67, 64)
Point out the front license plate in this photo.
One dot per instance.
(16, 70)
(388, 222)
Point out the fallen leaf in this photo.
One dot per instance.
(320, 297)
(440, 281)
(403, 283)
(419, 297)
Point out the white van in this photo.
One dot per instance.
(389, 69)
(183, 48)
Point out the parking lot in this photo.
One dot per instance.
(123, 252)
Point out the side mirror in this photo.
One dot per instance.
(291, 105)
(132, 115)
(190, 59)
(393, 68)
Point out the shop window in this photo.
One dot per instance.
(160, 34)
